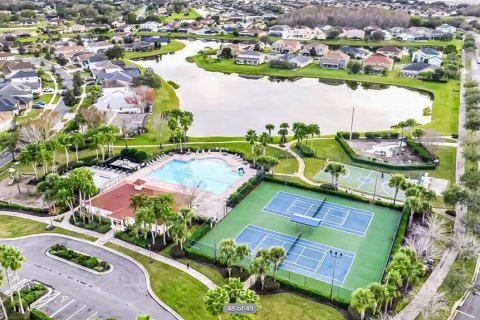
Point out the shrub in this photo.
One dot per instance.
(421, 151)
(304, 150)
(141, 155)
(39, 315)
(91, 262)
(382, 135)
(176, 252)
(128, 152)
(346, 135)
(173, 84)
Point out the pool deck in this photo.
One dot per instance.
(207, 204)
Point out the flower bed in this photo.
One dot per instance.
(81, 259)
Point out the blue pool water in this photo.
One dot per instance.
(212, 175)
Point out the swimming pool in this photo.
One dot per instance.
(212, 175)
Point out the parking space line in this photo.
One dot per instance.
(468, 315)
(46, 300)
(92, 315)
(76, 312)
(52, 315)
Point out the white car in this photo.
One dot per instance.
(48, 90)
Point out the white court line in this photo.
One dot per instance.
(345, 219)
(299, 255)
(320, 262)
(71, 301)
(76, 312)
(92, 315)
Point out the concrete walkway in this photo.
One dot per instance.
(435, 280)
(103, 238)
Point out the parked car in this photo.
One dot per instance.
(49, 80)
(38, 106)
(40, 103)
(63, 92)
(48, 90)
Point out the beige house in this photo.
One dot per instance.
(286, 46)
(334, 60)
(76, 28)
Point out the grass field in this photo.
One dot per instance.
(372, 251)
(13, 227)
(444, 108)
(191, 15)
(185, 294)
(171, 47)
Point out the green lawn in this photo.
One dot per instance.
(28, 116)
(185, 295)
(191, 15)
(46, 97)
(444, 108)
(171, 47)
(372, 250)
(13, 227)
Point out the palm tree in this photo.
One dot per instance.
(283, 132)
(162, 208)
(397, 181)
(180, 233)
(77, 140)
(414, 204)
(52, 145)
(227, 250)
(393, 277)
(270, 127)
(4, 311)
(257, 152)
(138, 200)
(148, 218)
(4, 262)
(48, 188)
(299, 131)
(378, 292)
(415, 271)
(64, 141)
(260, 266)
(234, 288)
(187, 215)
(313, 129)
(14, 262)
(264, 140)
(251, 137)
(214, 301)
(242, 251)
(390, 292)
(29, 155)
(362, 299)
(65, 196)
(44, 158)
(336, 170)
(277, 256)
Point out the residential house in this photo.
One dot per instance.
(386, 34)
(75, 28)
(314, 49)
(15, 98)
(90, 59)
(405, 37)
(279, 30)
(300, 33)
(414, 69)
(252, 32)
(156, 39)
(27, 78)
(300, 61)
(355, 52)
(6, 56)
(445, 28)
(378, 62)
(119, 37)
(100, 46)
(392, 52)
(286, 46)
(10, 67)
(67, 51)
(111, 86)
(334, 60)
(250, 57)
(120, 101)
(150, 26)
(427, 55)
(355, 34)
(138, 46)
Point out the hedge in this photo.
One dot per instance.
(402, 228)
(346, 135)
(421, 151)
(18, 208)
(243, 191)
(39, 315)
(382, 135)
(173, 84)
(357, 159)
(304, 150)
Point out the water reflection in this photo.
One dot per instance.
(228, 105)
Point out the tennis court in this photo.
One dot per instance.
(330, 215)
(308, 262)
(304, 257)
(364, 180)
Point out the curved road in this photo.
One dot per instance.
(80, 294)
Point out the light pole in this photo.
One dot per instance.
(335, 255)
(150, 251)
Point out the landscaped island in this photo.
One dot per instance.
(79, 258)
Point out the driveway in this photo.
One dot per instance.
(79, 294)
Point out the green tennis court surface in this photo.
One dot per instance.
(364, 180)
(308, 262)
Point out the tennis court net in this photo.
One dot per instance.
(319, 207)
(287, 250)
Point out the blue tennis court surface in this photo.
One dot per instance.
(332, 215)
(304, 257)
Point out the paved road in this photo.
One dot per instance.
(61, 109)
(79, 294)
(66, 77)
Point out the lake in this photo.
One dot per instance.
(229, 104)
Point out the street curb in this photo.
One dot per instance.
(147, 276)
(95, 272)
